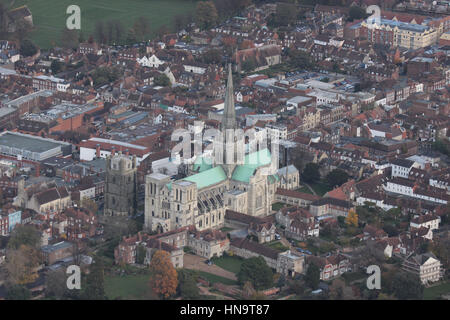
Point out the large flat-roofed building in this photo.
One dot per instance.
(31, 147)
(399, 34)
(102, 148)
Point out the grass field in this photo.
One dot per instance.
(212, 278)
(49, 17)
(229, 263)
(320, 188)
(435, 292)
(277, 245)
(278, 205)
(128, 287)
(304, 189)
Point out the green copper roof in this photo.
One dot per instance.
(251, 163)
(169, 186)
(202, 164)
(208, 177)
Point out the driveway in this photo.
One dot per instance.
(198, 263)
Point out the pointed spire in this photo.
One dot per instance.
(229, 112)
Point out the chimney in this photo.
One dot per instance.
(97, 151)
(113, 151)
(127, 152)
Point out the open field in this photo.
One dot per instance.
(49, 17)
(230, 263)
(435, 292)
(320, 188)
(212, 278)
(128, 287)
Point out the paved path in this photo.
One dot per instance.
(198, 263)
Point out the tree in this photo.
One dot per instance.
(356, 13)
(300, 59)
(89, 205)
(69, 38)
(27, 48)
(56, 284)
(164, 279)
(99, 32)
(248, 290)
(336, 177)
(352, 218)
(56, 66)
(249, 64)
(311, 173)
(206, 14)
(187, 285)
(312, 277)
(23, 28)
(141, 27)
(257, 272)
(140, 254)
(24, 235)
(162, 80)
(18, 292)
(407, 286)
(131, 36)
(94, 284)
(212, 56)
(22, 263)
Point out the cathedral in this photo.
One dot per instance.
(201, 199)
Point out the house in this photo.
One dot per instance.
(299, 223)
(374, 233)
(426, 266)
(208, 243)
(330, 206)
(262, 228)
(330, 267)
(429, 220)
(81, 223)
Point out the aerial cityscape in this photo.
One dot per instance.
(224, 150)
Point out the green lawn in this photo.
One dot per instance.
(304, 189)
(128, 287)
(229, 263)
(320, 188)
(277, 245)
(277, 206)
(212, 278)
(49, 17)
(435, 292)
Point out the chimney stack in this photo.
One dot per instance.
(113, 151)
(97, 151)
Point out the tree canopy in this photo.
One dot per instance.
(312, 277)
(164, 279)
(206, 14)
(311, 173)
(336, 177)
(257, 272)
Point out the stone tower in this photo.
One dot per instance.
(228, 127)
(121, 185)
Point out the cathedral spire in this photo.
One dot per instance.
(229, 112)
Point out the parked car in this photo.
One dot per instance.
(277, 236)
(208, 262)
